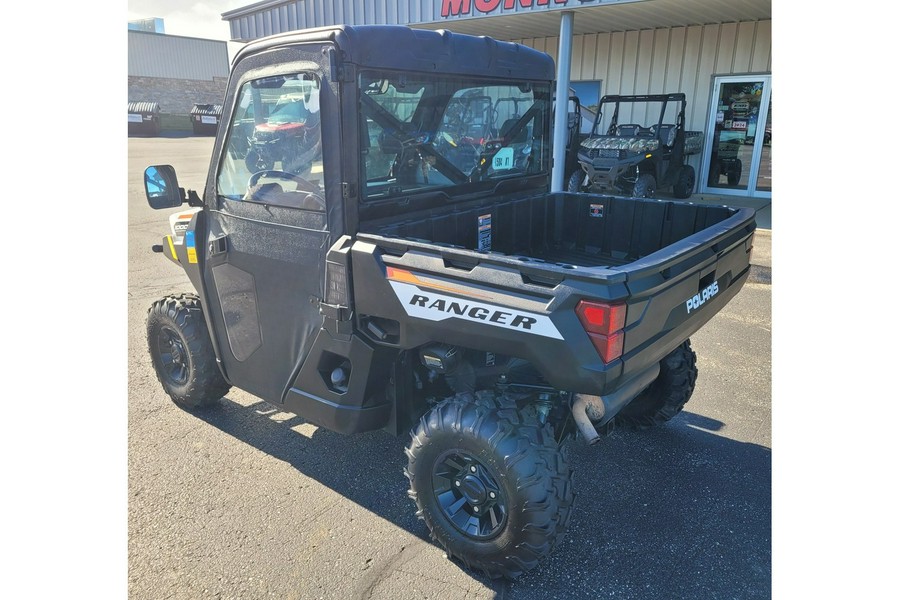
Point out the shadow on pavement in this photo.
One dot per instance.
(673, 512)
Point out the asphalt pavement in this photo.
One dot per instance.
(243, 501)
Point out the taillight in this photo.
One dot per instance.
(604, 324)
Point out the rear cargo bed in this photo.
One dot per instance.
(595, 231)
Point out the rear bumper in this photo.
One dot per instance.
(664, 293)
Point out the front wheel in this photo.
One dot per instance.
(575, 183)
(667, 395)
(715, 172)
(644, 187)
(490, 482)
(734, 173)
(182, 352)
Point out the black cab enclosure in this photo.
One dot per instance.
(376, 247)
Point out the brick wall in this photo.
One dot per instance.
(176, 96)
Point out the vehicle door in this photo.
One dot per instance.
(268, 231)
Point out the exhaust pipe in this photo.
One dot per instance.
(580, 407)
(588, 410)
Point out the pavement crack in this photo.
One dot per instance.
(381, 571)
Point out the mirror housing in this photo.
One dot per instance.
(161, 187)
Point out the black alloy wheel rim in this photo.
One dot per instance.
(173, 355)
(468, 495)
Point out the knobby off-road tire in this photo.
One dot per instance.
(488, 446)
(684, 182)
(575, 182)
(182, 352)
(644, 187)
(667, 395)
(734, 173)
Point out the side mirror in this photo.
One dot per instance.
(161, 187)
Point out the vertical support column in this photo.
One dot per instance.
(563, 68)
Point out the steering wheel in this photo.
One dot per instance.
(302, 184)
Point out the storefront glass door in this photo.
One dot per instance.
(737, 155)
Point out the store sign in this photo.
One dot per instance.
(458, 8)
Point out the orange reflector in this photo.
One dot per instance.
(401, 275)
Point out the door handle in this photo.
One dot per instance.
(218, 245)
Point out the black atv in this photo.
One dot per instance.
(289, 135)
(636, 160)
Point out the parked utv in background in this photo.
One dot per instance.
(736, 128)
(419, 276)
(645, 154)
(285, 131)
(725, 159)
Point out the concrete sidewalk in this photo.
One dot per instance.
(761, 258)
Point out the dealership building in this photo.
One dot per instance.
(174, 72)
(717, 52)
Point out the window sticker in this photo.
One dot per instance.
(503, 160)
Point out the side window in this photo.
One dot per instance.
(273, 154)
(378, 157)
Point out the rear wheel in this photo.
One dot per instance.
(182, 352)
(490, 482)
(684, 182)
(644, 187)
(667, 395)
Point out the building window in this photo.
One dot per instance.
(588, 93)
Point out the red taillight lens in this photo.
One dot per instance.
(609, 347)
(604, 324)
(597, 317)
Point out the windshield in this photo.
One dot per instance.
(423, 132)
(634, 119)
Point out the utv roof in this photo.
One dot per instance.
(403, 48)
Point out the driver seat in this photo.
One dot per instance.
(273, 193)
(628, 130)
(520, 138)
